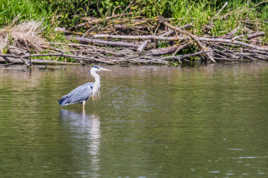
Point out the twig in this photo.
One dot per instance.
(142, 46)
(218, 13)
(260, 3)
(231, 34)
(133, 37)
(169, 32)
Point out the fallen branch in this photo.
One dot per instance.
(102, 42)
(142, 46)
(233, 42)
(255, 35)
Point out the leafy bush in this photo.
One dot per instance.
(68, 13)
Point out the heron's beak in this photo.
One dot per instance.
(104, 69)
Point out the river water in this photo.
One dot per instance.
(150, 121)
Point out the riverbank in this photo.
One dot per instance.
(221, 33)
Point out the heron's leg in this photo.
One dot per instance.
(84, 104)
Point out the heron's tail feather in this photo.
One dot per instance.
(64, 101)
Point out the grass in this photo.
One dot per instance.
(199, 13)
(23, 9)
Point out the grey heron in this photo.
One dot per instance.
(83, 92)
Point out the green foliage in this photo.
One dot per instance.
(68, 13)
(23, 9)
(199, 13)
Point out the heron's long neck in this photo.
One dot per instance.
(96, 82)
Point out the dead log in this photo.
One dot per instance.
(102, 42)
(162, 51)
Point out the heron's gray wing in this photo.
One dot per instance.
(77, 95)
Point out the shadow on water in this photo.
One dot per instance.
(84, 128)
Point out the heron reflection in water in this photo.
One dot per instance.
(85, 129)
(83, 92)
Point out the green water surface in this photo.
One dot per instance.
(150, 121)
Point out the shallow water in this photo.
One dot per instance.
(151, 121)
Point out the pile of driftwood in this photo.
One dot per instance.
(138, 40)
(119, 40)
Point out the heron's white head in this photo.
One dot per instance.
(98, 68)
